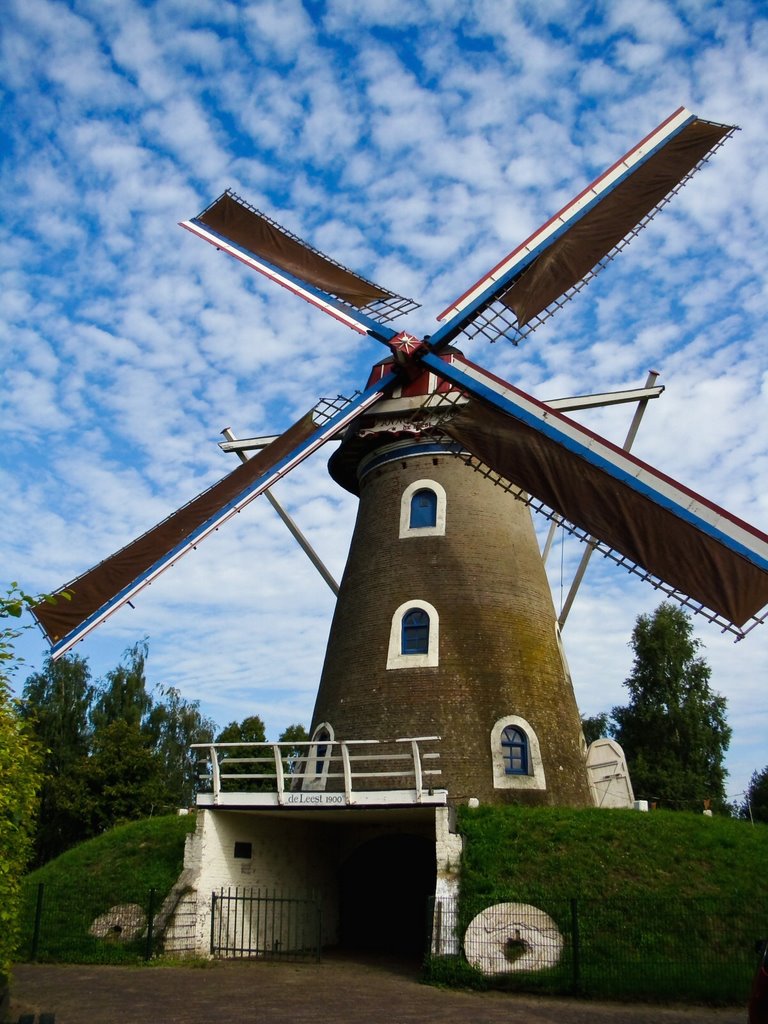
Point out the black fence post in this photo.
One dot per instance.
(213, 923)
(38, 918)
(576, 943)
(150, 924)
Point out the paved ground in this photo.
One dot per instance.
(334, 991)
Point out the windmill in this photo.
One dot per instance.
(444, 624)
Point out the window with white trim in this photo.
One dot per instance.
(516, 755)
(414, 636)
(423, 510)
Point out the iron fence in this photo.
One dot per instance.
(665, 948)
(250, 922)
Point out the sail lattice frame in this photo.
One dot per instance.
(496, 320)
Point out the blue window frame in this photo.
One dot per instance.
(423, 509)
(514, 746)
(415, 636)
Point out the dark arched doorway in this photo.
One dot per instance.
(383, 887)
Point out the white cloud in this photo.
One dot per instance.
(417, 143)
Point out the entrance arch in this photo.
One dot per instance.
(383, 888)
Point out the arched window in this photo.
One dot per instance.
(423, 509)
(322, 736)
(314, 772)
(516, 755)
(414, 636)
(415, 632)
(514, 747)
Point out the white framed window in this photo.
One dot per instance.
(423, 510)
(515, 755)
(414, 636)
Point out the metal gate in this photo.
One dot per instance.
(248, 922)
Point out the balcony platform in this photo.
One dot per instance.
(323, 775)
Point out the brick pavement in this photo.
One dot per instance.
(337, 991)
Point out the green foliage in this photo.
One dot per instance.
(295, 734)
(56, 702)
(755, 805)
(122, 695)
(19, 779)
(596, 727)
(250, 730)
(174, 725)
(673, 731)
(121, 780)
(292, 759)
(19, 782)
(114, 752)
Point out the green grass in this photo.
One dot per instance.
(666, 905)
(121, 866)
(597, 853)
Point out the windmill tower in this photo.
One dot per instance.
(444, 624)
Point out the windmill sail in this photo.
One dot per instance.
(248, 234)
(112, 583)
(536, 278)
(676, 536)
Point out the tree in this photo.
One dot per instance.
(673, 730)
(292, 758)
(596, 727)
(57, 703)
(19, 781)
(250, 730)
(120, 781)
(122, 695)
(114, 751)
(175, 724)
(755, 804)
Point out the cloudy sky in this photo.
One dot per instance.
(416, 142)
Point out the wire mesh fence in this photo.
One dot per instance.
(662, 948)
(699, 949)
(66, 925)
(61, 924)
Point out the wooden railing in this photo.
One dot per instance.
(320, 773)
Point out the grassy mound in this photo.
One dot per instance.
(597, 853)
(665, 905)
(134, 864)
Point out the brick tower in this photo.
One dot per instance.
(444, 623)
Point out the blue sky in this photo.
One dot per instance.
(417, 143)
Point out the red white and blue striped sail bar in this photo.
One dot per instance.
(572, 246)
(239, 229)
(673, 533)
(100, 591)
(311, 295)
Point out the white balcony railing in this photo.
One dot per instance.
(323, 773)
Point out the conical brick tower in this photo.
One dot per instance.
(444, 623)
